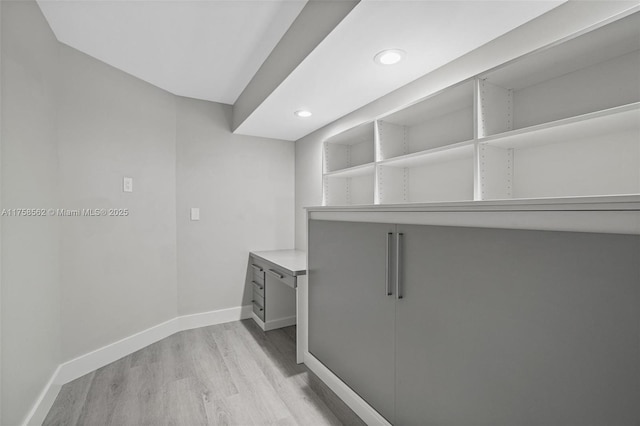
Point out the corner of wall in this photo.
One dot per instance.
(28, 131)
(1, 220)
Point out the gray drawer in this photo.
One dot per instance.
(258, 271)
(258, 310)
(277, 274)
(258, 298)
(258, 288)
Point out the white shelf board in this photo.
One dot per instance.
(614, 120)
(436, 155)
(449, 100)
(359, 134)
(599, 45)
(362, 170)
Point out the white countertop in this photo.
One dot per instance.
(616, 214)
(597, 203)
(294, 261)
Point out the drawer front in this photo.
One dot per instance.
(258, 310)
(258, 277)
(289, 280)
(258, 299)
(258, 288)
(258, 271)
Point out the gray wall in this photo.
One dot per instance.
(245, 191)
(118, 273)
(72, 128)
(0, 220)
(30, 246)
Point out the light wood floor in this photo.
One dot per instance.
(228, 374)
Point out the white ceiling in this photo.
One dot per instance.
(340, 76)
(210, 49)
(201, 49)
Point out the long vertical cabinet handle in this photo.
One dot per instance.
(399, 265)
(387, 279)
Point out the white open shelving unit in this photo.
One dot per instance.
(349, 167)
(563, 121)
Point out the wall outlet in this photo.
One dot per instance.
(195, 213)
(127, 184)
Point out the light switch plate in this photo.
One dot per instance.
(127, 184)
(195, 213)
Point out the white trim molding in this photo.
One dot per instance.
(345, 393)
(204, 319)
(274, 324)
(45, 401)
(279, 323)
(84, 364)
(93, 360)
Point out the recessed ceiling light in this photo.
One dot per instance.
(389, 56)
(302, 113)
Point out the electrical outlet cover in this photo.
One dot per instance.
(127, 184)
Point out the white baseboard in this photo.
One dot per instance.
(370, 416)
(91, 361)
(274, 324)
(44, 402)
(257, 320)
(204, 319)
(279, 323)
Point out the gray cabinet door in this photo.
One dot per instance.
(351, 317)
(509, 327)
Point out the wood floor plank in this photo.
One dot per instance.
(68, 405)
(149, 354)
(230, 411)
(249, 378)
(209, 366)
(141, 401)
(284, 375)
(185, 404)
(106, 387)
(230, 374)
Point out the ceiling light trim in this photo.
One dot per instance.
(389, 57)
(303, 113)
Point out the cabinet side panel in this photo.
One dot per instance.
(280, 300)
(496, 172)
(351, 318)
(605, 85)
(361, 190)
(495, 109)
(362, 153)
(392, 185)
(456, 126)
(336, 157)
(506, 327)
(446, 181)
(594, 166)
(336, 191)
(392, 140)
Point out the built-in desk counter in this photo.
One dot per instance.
(274, 279)
(290, 262)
